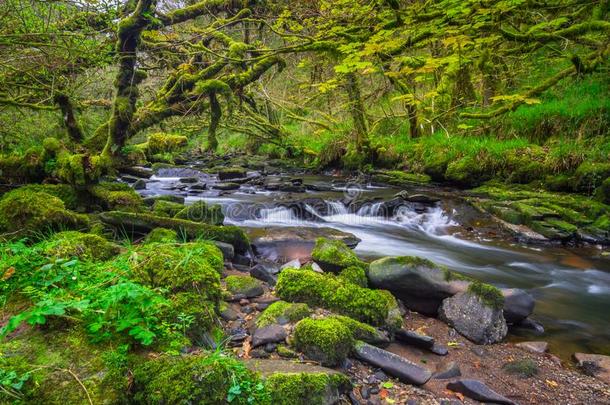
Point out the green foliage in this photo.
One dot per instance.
(282, 312)
(214, 378)
(164, 143)
(375, 307)
(161, 235)
(327, 340)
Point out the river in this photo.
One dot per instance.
(571, 285)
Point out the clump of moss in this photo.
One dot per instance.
(602, 194)
(326, 340)
(246, 285)
(187, 267)
(201, 212)
(590, 175)
(193, 314)
(524, 368)
(51, 145)
(286, 352)
(375, 307)
(359, 330)
(161, 235)
(334, 255)
(116, 196)
(68, 194)
(191, 379)
(306, 388)
(29, 168)
(399, 178)
(283, 312)
(229, 173)
(355, 275)
(488, 294)
(467, 172)
(160, 143)
(27, 213)
(166, 208)
(85, 246)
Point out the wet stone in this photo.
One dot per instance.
(478, 391)
(268, 334)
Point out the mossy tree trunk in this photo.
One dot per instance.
(67, 110)
(215, 115)
(357, 110)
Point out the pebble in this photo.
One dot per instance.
(365, 392)
(270, 347)
(244, 301)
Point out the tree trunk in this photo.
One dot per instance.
(358, 112)
(67, 110)
(215, 115)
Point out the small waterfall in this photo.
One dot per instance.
(278, 215)
(336, 208)
(370, 210)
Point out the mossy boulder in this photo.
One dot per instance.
(326, 340)
(282, 312)
(142, 224)
(84, 246)
(166, 208)
(19, 169)
(244, 285)
(559, 182)
(199, 309)
(71, 197)
(375, 307)
(28, 213)
(602, 194)
(161, 235)
(190, 267)
(590, 175)
(230, 173)
(334, 255)
(467, 172)
(116, 196)
(355, 275)
(400, 178)
(202, 212)
(160, 143)
(58, 362)
(196, 379)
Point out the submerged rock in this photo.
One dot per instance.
(473, 318)
(392, 364)
(478, 391)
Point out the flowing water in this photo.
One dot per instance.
(571, 285)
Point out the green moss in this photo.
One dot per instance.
(117, 196)
(161, 235)
(286, 352)
(334, 255)
(399, 178)
(375, 307)
(130, 222)
(359, 330)
(51, 145)
(355, 275)
(326, 340)
(186, 267)
(164, 143)
(201, 212)
(602, 194)
(28, 213)
(524, 368)
(48, 355)
(15, 169)
(306, 388)
(211, 379)
(166, 208)
(560, 182)
(84, 246)
(590, 175)
(282, 310)
(68, 194)
(488, 294)
(193, 314)
(467, 172)
(249, 286)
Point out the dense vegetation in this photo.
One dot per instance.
(510, 98)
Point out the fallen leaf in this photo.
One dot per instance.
(383, 393)
(388, 384)
(8, 273)
(247, 347)
(551, 383)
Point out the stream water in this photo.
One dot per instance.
(571, 285)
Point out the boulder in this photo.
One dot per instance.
(290, 382)
(266, 271)
(473, 318)
(478, 391)
(231, 173)
(392, 364)
(419, 283)
(268, 334)
(518, 304)
(447, 371)
(334, 255)
(224, 186)
(244, 285)
(326, 340)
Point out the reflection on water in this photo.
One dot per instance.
(571, 286)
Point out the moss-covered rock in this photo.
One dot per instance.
(354, 274)
(193, 267)
(326, 340)
(230, 173)
(163, 143)
(375, 307)
(116, 196)
(399, 178)
(334, 255)
(307, 388)
(140, 223)
(197, 379)
(559, 182)
(244, 285)
(467, 172)
(202, 212)
(29, 213)
(589, 175)
(166, 208)
(161, 235)
(58, 362)
(71, 197)
(490, 295)
(282, 312)
(85, 246)
(360, 330)
(194, 313)
(29, 168)
(602, 194)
